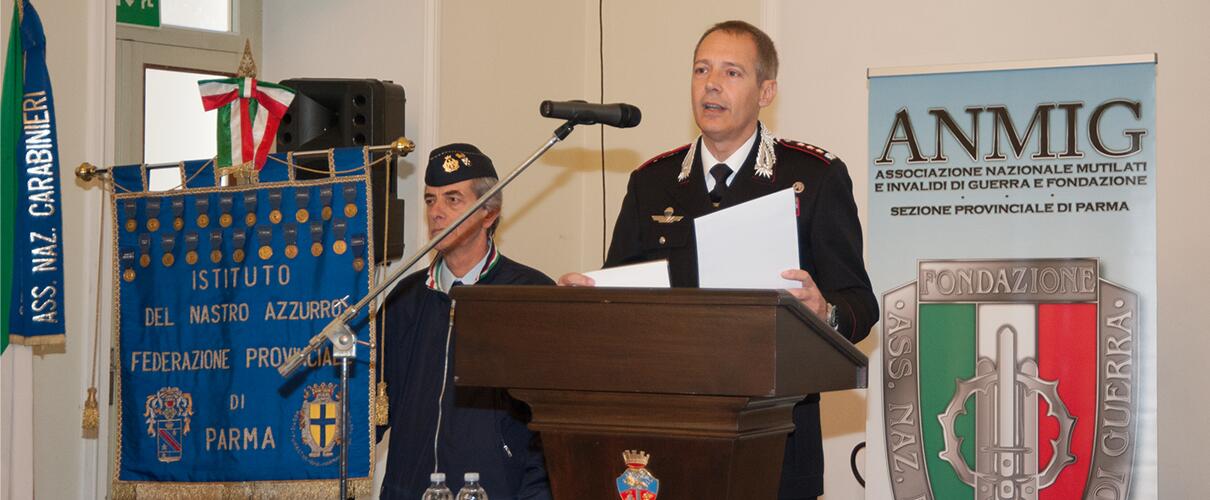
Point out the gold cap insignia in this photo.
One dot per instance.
(450, 165)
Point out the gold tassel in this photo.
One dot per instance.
(92, 415)
(381, 405)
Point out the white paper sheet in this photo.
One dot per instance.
(652, 274)
(750, 244)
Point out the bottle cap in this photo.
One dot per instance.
(437, 477)
(471, 476)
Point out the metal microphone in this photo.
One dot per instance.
(618, 114)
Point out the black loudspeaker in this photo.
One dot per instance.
(338, 112)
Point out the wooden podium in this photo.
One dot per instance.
(703, 381)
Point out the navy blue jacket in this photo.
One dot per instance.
(482, 429)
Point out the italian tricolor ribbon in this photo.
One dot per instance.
(248, 114)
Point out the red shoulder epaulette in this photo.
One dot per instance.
(815, 151)
(661, 156)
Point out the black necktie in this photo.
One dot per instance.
(455, 283)
(720, 173)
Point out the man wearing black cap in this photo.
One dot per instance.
(437, 426)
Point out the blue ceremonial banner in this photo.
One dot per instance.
(1012, 222)
(36, 302)
(216, 287)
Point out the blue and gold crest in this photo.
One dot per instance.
(319, 420)
(167, 413)
(636, 483)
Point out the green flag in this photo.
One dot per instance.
(10, 119)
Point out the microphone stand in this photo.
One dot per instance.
(344, 341)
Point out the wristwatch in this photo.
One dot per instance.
(833, 318)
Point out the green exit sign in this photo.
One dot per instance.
(140, 12)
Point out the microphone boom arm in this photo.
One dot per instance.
(338, 332)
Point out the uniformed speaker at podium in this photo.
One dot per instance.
(737, 159)
(433, 422)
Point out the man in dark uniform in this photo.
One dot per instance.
(737, 159)
(437, 427)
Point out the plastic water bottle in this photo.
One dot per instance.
(471, 490)
(437, 490)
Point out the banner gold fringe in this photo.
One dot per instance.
(38, 340)
(302, 490)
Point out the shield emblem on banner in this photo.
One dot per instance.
(322, 423)
(319, 419)
(1009, 379)
(168, 440)
(167, 414)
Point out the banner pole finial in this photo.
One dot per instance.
(247, 65)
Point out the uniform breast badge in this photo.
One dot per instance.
(636, 483)
(667, 218)
(167, 414)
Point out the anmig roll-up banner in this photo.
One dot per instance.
(1012, 243)
(215, 287)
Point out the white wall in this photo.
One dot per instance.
(825, 50)
(494, 76)
(78, 46)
